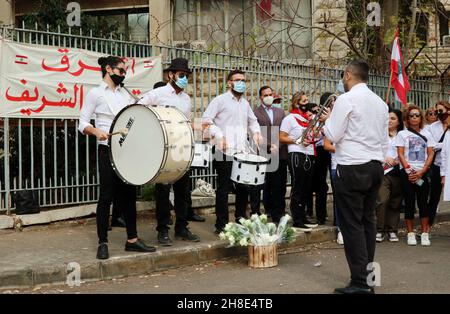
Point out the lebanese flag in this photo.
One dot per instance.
(399, 80)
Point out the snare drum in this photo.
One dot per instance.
(249, 169)
(157, 147)
(202, 154)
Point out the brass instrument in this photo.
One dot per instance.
(313, 129)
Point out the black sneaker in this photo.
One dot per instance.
(196, 218)
(139, 246)
(163, 238)
(102, 251)
(310, 224)
(302, 227)
(187, 235)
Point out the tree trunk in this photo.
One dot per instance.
(412, 26)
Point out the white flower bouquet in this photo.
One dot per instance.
(257, 231)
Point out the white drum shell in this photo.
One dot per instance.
(158, 147)
(202, 155)
(249, 169)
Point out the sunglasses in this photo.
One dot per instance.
(440, 111)
(432, 113)
(121, 70)
(412, 115)
(183, 75)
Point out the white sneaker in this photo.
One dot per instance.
(412, 238)
(380, 237)
(340, 238)
(393, 237)
(425, 239)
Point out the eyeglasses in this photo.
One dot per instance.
(236, 81)
(121, 70)
(183, 75)
(412, 115)
(440, 111)
(432, 113)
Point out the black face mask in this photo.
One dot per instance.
(303, 108)
(117, 79)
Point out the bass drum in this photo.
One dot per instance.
(156, 144)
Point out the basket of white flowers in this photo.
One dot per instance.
(261, 237)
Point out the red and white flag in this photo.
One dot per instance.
(21, 59)
(399, 80)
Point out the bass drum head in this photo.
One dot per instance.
(138, 155)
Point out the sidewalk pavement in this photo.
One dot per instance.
(40, 255)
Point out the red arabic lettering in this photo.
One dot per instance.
(25, 96)
(61, 103)
(83, 67)
(64, 61)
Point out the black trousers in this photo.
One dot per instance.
(319, 184)
(356, 193)
(411, 192)
(224, 186)
(181, 203)
(124, 195)
(435, 191)
(301, 167)
(274, 193)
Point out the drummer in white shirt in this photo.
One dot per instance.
(358, 125)
(229, 119)
(105, 101)
(173, 95)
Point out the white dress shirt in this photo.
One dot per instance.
(167, 96)
(358, 126)
(436, 129)
(103, 103)
(290, 126)
(233, 119)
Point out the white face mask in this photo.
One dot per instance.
(268, 100)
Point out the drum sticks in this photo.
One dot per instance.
(122, 132)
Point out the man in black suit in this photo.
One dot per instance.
(274, 189)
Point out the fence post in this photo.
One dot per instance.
(6, 165)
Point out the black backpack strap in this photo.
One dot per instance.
(418, 134)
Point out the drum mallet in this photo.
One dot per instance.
(122, 132)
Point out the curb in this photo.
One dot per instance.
(145, 263)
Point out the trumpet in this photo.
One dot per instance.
(313, 129)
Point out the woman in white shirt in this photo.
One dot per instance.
(105, 101)
(301, 159)
(390, 195)
(415, 153)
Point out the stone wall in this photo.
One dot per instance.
(329, 15)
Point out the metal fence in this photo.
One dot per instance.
(49, 155)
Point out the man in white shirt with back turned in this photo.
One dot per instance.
(358, 125)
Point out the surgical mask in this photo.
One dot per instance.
(239, 87)
(268, 100)
(340, 87)
(182, 82)
(117, 79)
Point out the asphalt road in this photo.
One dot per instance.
(314, 269)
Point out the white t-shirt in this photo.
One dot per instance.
(415, 147)
(290, 126)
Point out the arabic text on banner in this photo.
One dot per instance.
(52, 82)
